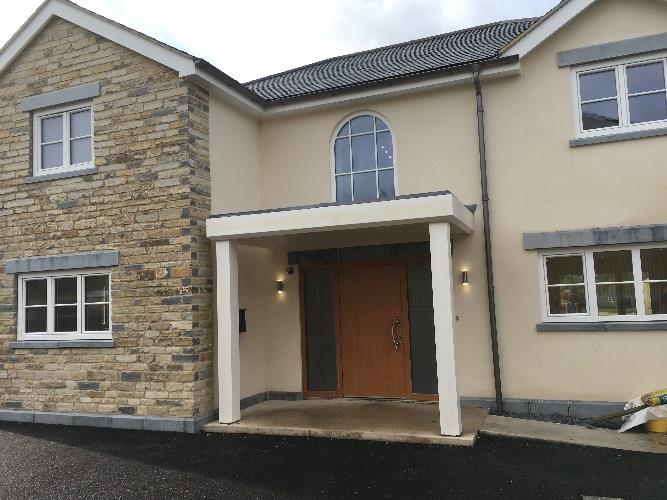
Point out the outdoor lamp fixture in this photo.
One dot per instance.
(464, 278)
(280, 286)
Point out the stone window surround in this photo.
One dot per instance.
(606, 52)
(590, 286)
(597, 237)
(63, 262)
(69, 96)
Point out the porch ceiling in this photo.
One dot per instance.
(399, 220)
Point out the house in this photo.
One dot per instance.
(477, 218)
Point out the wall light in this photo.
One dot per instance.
(280, 286)
(464, 278)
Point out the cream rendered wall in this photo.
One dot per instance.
(235, 187)
(436, 149)
(539, 183)
(235, 159)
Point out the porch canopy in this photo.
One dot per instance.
(432, 216)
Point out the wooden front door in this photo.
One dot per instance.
(372, 301)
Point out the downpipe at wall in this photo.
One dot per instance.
(487, 238)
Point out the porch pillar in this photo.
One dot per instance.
(443, 309)
(227, 284)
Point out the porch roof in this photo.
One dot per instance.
(400, 212)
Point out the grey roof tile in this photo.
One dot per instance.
(434, 53)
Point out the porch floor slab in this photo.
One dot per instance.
(369, 420)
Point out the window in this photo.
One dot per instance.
(363, 156)
(654, 280)
(631, 95)
(65, 306)
(62, 140)
(617, 284)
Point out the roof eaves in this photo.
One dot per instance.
(223, 77)
(386, 47)
(389, 82)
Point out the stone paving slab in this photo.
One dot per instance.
(573, 434)
(389, 421)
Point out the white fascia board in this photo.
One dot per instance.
(546, 27)
(227, 93)
(99, 25)
(402, 88)
(426, 209)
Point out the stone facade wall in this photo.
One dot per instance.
(148, 199)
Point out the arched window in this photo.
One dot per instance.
(364, 160)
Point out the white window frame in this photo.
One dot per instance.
(619, 67)
(332, 152)
(80, 334)
(65, 111)
(591, 290)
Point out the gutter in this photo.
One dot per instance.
(393, 81)
(262, 105)
(487, 238)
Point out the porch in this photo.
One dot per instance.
(369, 351)
(359, 419)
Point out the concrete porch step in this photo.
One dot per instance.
(390, 421)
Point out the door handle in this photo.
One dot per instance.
(397, 341)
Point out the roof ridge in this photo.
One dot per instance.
(398, 44)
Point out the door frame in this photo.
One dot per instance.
(407, 358)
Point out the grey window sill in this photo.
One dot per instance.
(621, 136)
(61, 175)
(60, 344)
(603, 326)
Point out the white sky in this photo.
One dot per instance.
(252, 38)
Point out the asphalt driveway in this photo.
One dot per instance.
(68, 462)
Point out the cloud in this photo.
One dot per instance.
(372, 23)
(253, 38)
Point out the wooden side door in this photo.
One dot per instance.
(372, 302)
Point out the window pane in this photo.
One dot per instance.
(65, 319)
(344, 189)
(82, 151)
(97, 318)
(52, 155)
(35, 293)
(599, 114)
(380, 125)
(654, 263)
(345, 130)
(362, 124)
(655, 298)
(648, 108)
(385, 150)
(342, 155)
(646, 77)
(567, 300)
(365, 187)
(565, 270)
(35, 319)
(363, 152)
(65, 290)
(613, 266)
(597, 85)
(618, 299)
(97, 289)
(386, 183)
(79, 124)
(52, 129)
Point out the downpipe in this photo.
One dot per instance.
(487, 239)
